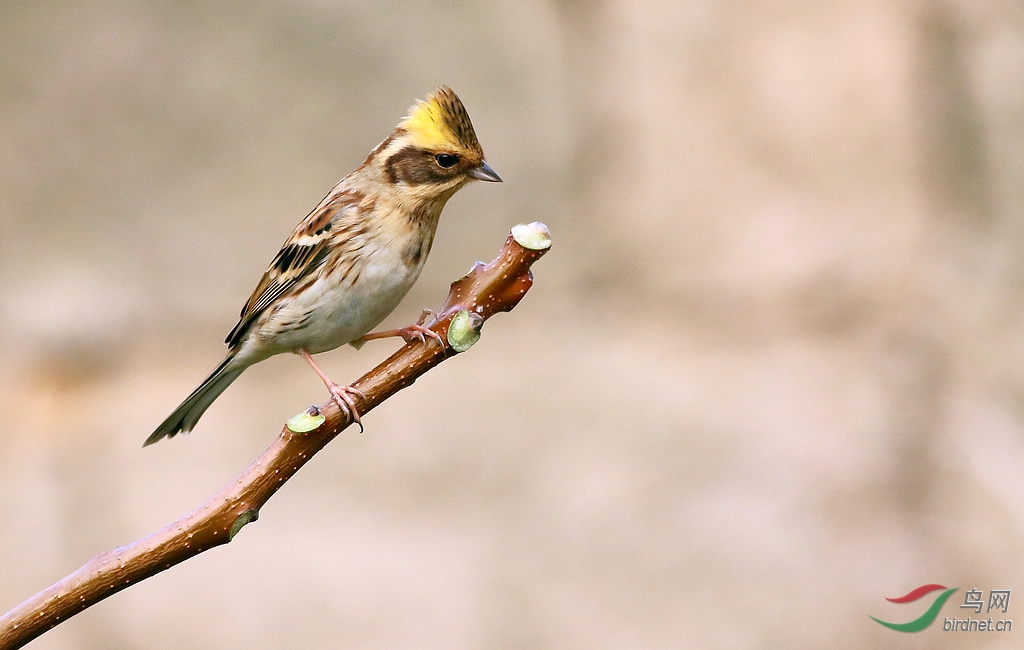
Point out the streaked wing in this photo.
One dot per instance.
(300, 256)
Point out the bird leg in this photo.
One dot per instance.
(343, 395)
(409, 333)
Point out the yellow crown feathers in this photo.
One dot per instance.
(441, 121)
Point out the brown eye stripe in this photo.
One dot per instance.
(414, 166)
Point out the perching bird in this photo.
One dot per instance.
(350, 262)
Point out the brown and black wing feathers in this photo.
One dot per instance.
(300, 256)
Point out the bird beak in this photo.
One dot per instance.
(485, 173)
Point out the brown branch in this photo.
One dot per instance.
(486, 290)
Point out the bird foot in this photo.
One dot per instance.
(345, 397)
(410, 333)
(418, 332)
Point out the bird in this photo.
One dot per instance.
(349, 263)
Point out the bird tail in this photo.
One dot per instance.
(186, 415)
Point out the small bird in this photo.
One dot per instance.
(348, 264)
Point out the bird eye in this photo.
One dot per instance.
(446, 160)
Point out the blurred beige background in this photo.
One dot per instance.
(770, 374)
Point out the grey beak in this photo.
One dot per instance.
(485, 173)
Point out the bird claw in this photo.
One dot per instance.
(416, 332)
(344, 397)
(419, 333)
(423, 317)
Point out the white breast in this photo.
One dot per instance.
(327, 315)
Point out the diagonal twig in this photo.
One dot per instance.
(487, 289)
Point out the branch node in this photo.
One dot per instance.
(464, 330)
(308, 420)
(246, 517)
(534, 236)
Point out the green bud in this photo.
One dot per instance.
(243, 519)
(534, 236)
(464, 330)
(306, 421)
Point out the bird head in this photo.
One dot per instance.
(436, 146)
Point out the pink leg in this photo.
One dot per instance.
(343, 395)
(410, 333)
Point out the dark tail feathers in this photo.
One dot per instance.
(186, 415)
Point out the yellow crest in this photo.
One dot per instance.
(441, 121)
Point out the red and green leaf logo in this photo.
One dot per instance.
(925, 619)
